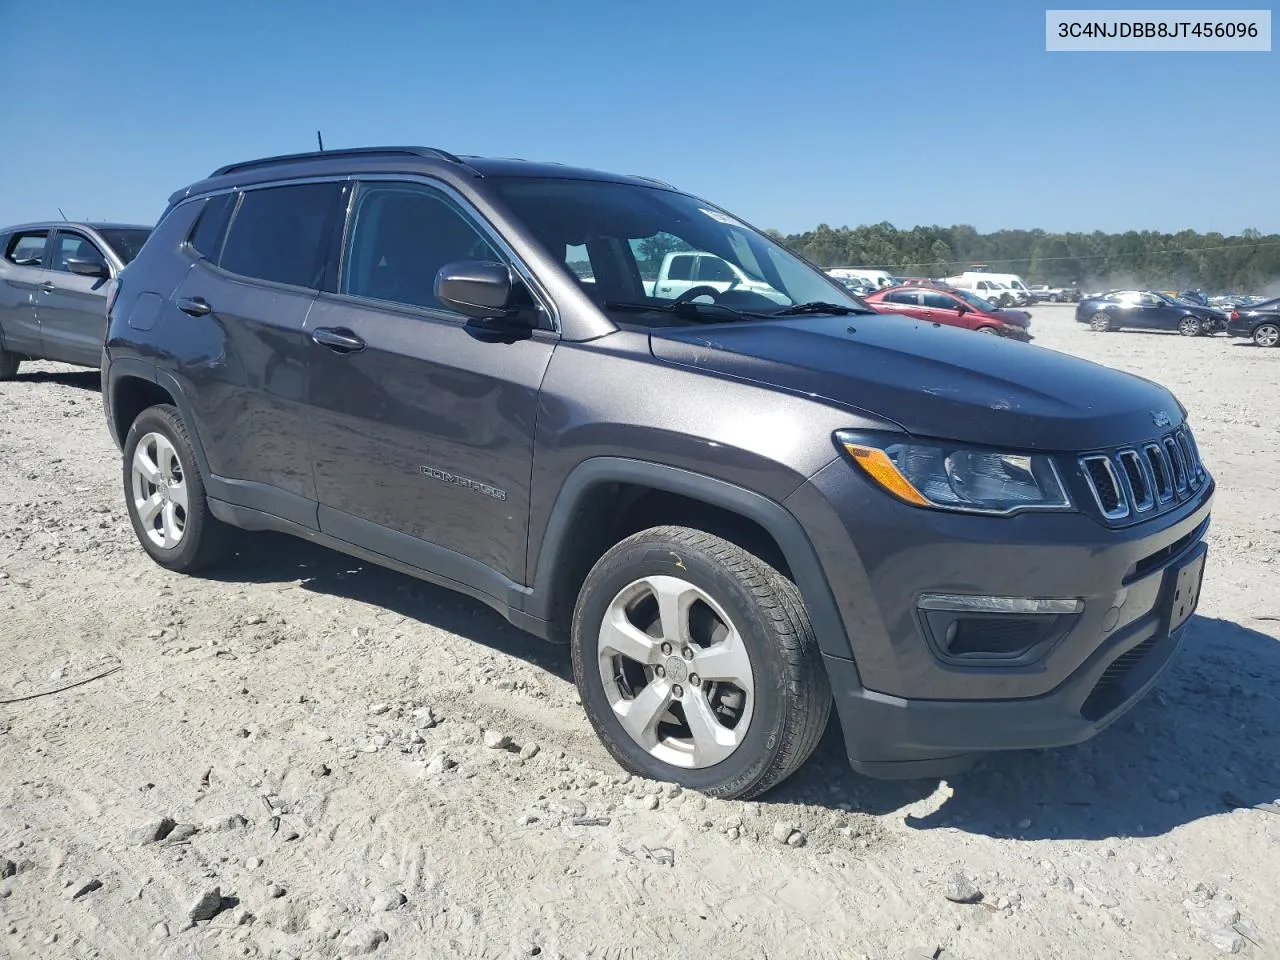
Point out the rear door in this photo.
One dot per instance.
(235, 335)
(21, 274)
(905, 302)
(72, 308)
(678, 277)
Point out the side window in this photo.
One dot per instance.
(1151, 300)
(680, 268)
(715, 270)
(211, 224)
(902, 296)
(277, 233)
(401, 235)
(73, 246)
(26, 249)
(578, 260)
(937, 301)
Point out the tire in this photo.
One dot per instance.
(8, 364)
(1266, 335)
(1054, 298)
(1100, 322)
(991, 331)
(179, 532)
(1190, 327)
(773, 683)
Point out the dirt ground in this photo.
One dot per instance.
(322, 723)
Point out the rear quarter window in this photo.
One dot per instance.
(211, 226)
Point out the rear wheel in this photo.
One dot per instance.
(165, 494)
(1100, 322)
(989, 330)
(696, 663)
(1190, 327)
(1267, 335)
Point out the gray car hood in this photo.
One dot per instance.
(933, 380)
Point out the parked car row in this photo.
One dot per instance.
(741, 497)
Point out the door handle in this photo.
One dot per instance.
(194, 306)
(337, 339)
(48, 286)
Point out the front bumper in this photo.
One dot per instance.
(907, 708)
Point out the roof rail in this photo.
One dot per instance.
(430, 152)
(663, 183)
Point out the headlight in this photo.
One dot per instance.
(952, 477)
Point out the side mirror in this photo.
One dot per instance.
(477, 288)
(88, 268)
(961, 309)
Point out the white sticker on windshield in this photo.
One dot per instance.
(719, 217)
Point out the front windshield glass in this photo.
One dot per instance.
(637, 245)
(125, 242)
(975, 301)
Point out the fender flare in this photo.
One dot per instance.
(786, 530)
(142, 370)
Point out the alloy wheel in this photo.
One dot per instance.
(1267, 335)
(159, 490)
(676, 672)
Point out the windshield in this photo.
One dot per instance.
(125, 243)
(646, 246)
(975, 301)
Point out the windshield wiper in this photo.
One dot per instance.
(689, 310)
(817, 306)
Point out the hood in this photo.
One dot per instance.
(933, 380)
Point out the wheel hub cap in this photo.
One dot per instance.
(676, 670)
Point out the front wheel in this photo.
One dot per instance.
(989, 330)
(1100, 322)
(165, 495)
(1266, 335)
(696, 663)
(1190, 327)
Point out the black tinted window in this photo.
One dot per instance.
(680, 268)
(277, 233)
(73, 246)
(211, 226)
(125, 243)
(26, 249)
(401, 235)
(937, 301)
(902, 296)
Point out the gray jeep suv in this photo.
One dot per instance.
(739, 508)
(54, 280)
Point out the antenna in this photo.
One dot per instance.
(64, 216)
(320, 141)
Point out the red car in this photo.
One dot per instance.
(956, 308)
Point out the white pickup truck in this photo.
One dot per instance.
(681, 271)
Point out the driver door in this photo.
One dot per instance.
(72, 308)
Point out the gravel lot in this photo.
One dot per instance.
(331, 733)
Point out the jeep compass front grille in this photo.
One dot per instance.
(1134, 480)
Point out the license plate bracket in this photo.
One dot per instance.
(1186, 590)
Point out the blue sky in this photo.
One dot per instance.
(789, 114)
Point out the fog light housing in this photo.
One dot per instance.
(988, 630)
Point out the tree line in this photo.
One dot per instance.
(1246, 263)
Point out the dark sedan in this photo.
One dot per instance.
(1147, 310)
(1259, 323)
